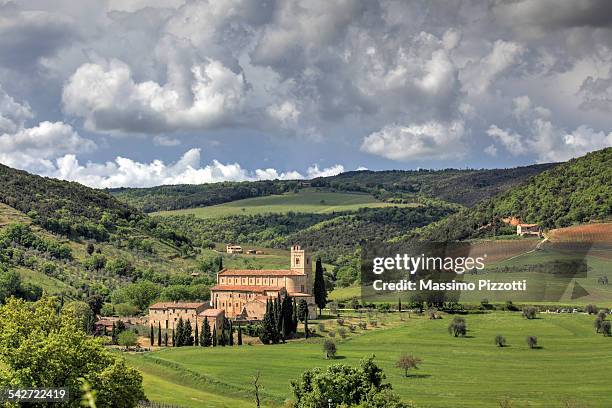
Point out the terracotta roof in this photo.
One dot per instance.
(260, 272)
(244, 288)
(178, 305)
(211, 312)
(299, 294)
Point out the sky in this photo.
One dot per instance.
(147, 92)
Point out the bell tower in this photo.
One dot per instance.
(300, 260)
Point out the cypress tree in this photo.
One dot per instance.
(196, 336)
(320, 293)
(306, 327)
(187, 334)
(294, 317)
(180, 333)
(114, 334)
(268, 333)
(231, 333)
(159, 336)
(239, 335)
(220, 263)
(205, 335)
(173, 338)
(152, 336)
(399, 305)
(222, 334)
(166, 335)
(214, 336)
(278, 315)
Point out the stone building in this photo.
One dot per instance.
(242, 293)
(528, 229)
(170, 312)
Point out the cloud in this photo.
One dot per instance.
(26, 36)
(109, 99)
(479, 76)
(597, 93)
(542, 138)
(431, 140)
(33, 147)
(124, 172)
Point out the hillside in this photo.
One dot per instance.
(308, 201)
(578, 191)
(465, 187)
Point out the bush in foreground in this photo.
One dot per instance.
(345, 386)
(35, 335)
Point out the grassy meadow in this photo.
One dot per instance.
(571, 365)
(306, 201)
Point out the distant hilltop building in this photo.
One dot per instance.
(233, 249)
(243, 293)
(528, 229)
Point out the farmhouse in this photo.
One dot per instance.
(528, 229)
(242, 293)
(233, 249)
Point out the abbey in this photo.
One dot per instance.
(242, 293)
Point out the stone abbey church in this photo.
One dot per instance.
(242, 294)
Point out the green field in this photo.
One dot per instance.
(572, 365)
(308, 201)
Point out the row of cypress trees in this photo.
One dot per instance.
(281, 319)
(184, 335)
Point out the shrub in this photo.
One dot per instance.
(458, 327)
(373, 323)
(329, 347)
(340, 322)
(342, 332)
(332, 334)
(598, 322)
(606, 328)
(529, 312)
(321, 327)
(591, 309)
(352, 328)
(532, 341)
(363, 325)
(127, 338)
(500, 340)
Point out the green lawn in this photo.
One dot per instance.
(573, 363)
(308, 201)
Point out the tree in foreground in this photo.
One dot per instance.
(179, 336)
(159, 334)
(408, 362)
(532, 341)
(239, 335)
(196, 336)
(329, 347)
(152, 335)
(500, 340)
(346, 386)
(320, 292)
(35, 335)
(458, 327)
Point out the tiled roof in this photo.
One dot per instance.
(211, 312)
(528, 225)
(260, 272)
(177, 305)
(299, 294)
(244, 288)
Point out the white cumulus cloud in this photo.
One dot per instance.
(431, 140)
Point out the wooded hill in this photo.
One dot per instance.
(577, 191)
(464, 187)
